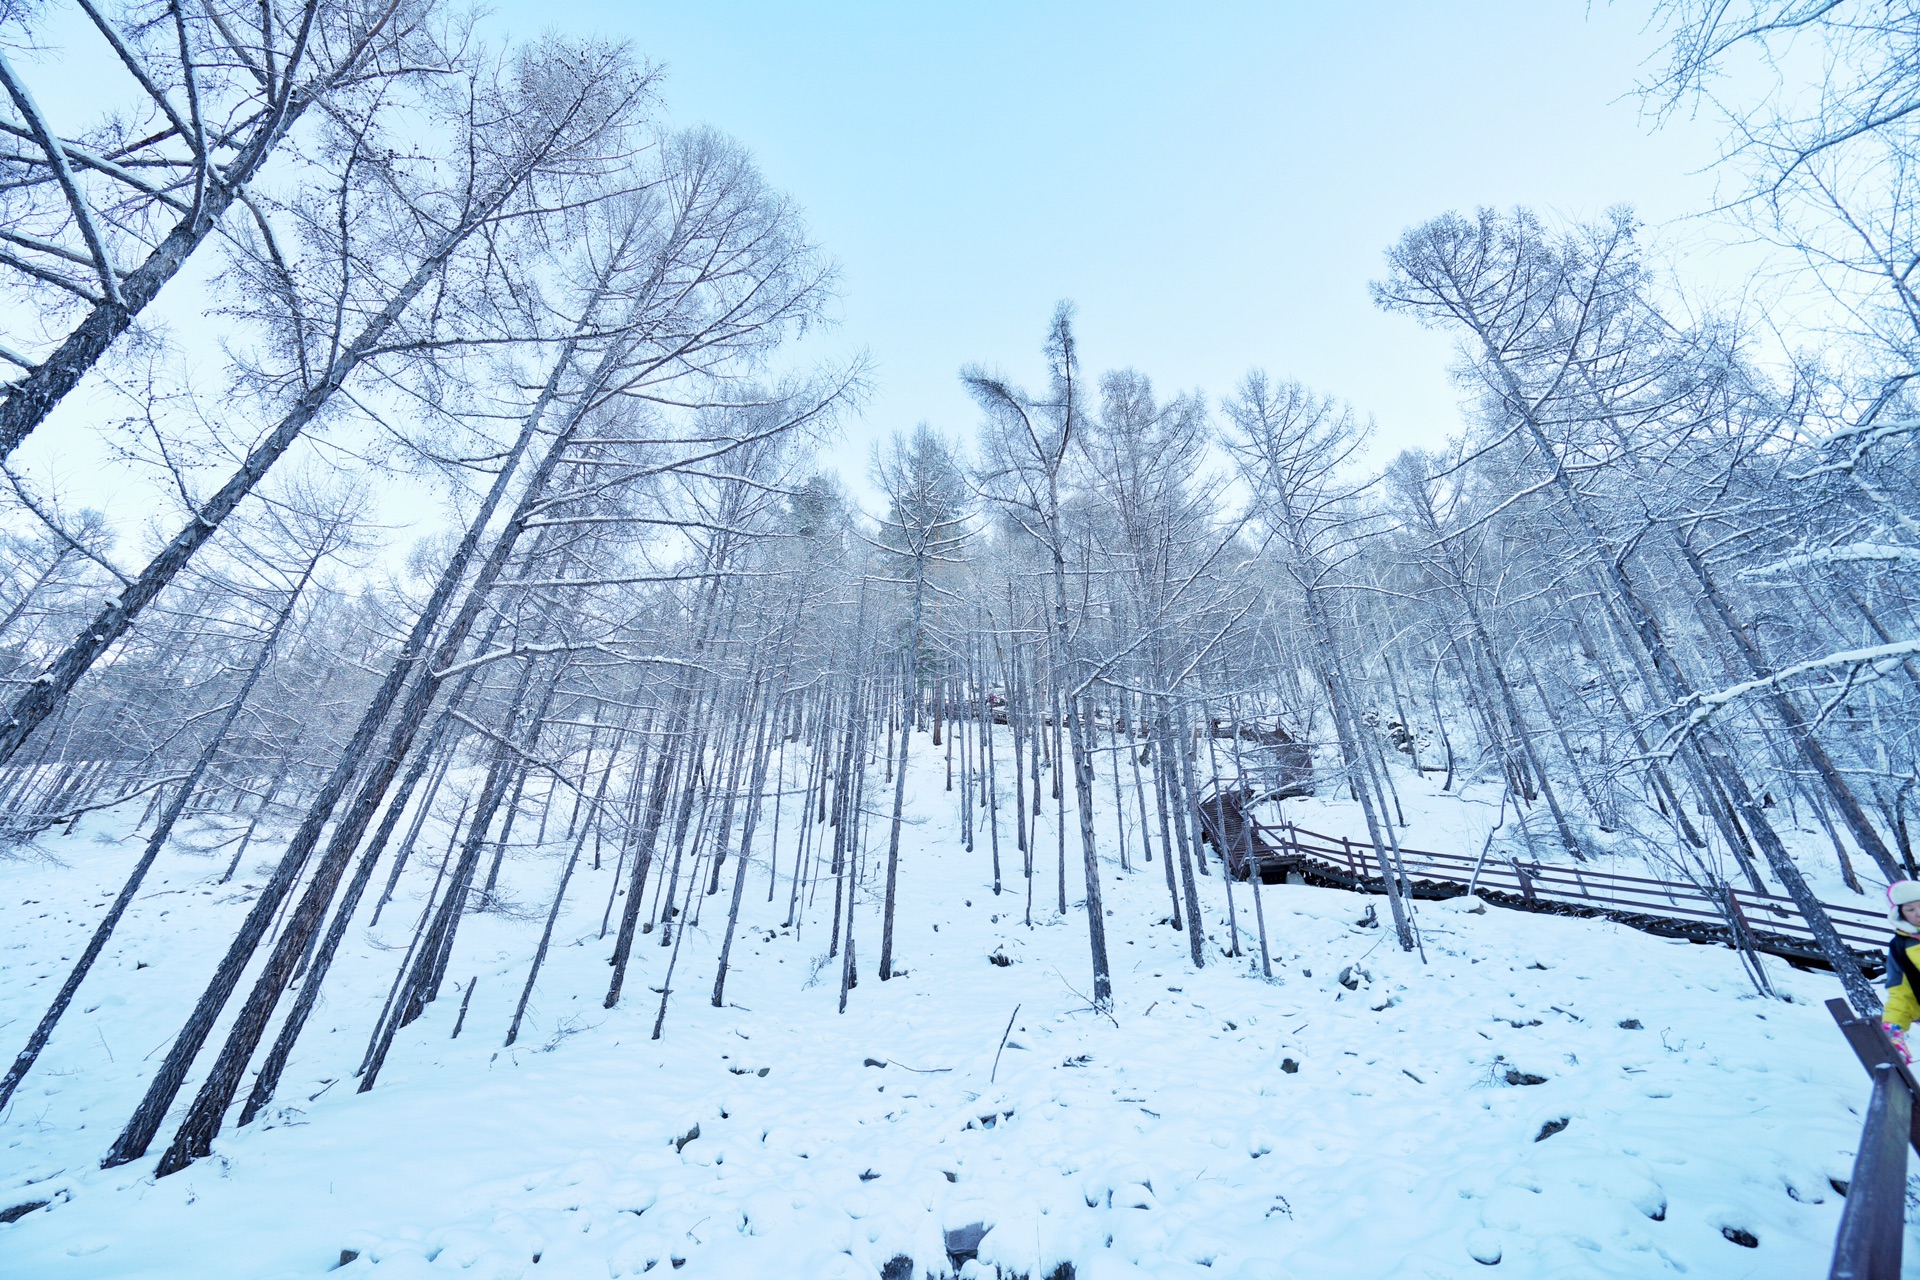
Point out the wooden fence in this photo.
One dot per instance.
(1771, 922)
(1873, 1223)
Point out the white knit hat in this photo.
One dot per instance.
(1899, 893)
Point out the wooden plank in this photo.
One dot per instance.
(1703, 926)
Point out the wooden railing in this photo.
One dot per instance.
(1771, 921)
(1873, 1223)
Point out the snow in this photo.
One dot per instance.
(1216, 1124)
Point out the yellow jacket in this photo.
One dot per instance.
(1903, 1002)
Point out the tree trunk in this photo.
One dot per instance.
(139, 1131)
(1797, 727)
(117, 616)
(761, 751)
(155, 842)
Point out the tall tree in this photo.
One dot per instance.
(1532, 313)
(1025, 449)
(1295, 449)
(925, 524)
(553, 116)
(100, 221)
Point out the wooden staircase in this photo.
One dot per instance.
(1709, 914)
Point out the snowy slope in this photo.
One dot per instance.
(1216, 1125)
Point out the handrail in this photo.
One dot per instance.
(1873, 1223)
(1614, 893)
(1576, 873)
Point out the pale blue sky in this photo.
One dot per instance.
(1212, 185)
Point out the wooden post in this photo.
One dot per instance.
(1872, 1222)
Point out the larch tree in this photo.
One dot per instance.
(1025, 448)
(925, 526)
(198, 105)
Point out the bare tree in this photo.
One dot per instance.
(325, 533)
(95, 224)
(1295, 450)
(1531, 313)
(551, 117)
(925, 524)
(1153, 516)
(1025, 451)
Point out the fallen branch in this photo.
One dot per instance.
(1003, 1044)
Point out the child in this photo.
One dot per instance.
(1903, 964)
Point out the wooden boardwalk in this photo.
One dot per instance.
(1674, 909)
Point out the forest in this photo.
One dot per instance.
(659, 674)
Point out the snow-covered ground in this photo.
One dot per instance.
(1538, 1096)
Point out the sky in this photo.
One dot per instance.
(1212, 187)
